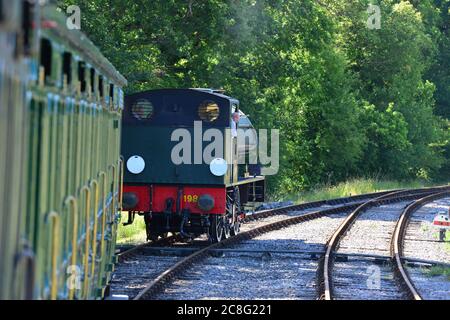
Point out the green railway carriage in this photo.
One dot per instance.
(15, 256)
(64, 187)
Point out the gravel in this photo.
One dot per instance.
(263, 275)
(422, 238)
(362, 279)
(430, 287)
(372, 231)
(370, 234)
(131, 276)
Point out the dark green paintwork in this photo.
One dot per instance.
(155, 146)
(151, 139)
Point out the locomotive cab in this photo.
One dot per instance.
(182, 163)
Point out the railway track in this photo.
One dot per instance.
(282, 256)
(148, 269)
(253, 220)
(371, 237)
(138, 265)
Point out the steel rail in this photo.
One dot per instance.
(324, 277)
(314, 204)
(398, 240)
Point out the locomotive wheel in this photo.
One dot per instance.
(216, 228)
(227, 227)
(236, 226)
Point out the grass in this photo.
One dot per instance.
(352, 188)
(133, 233)
(438, 271)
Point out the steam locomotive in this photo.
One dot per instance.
(183, 164)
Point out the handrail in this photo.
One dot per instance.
(113, 204)
(103, 175)
(87, 210)
(94, 184)
(72, 202)
(41, 79)
(54, 216)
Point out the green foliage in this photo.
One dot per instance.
(405, 138)
(349, 101)
(437, 17)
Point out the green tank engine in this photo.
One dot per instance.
(182, 172)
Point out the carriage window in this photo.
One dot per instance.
(111, 92)
(2, 15)
(46, 58)
(100, 86)
(27, 25)
(67, 66)
(82, 75)
(92, 79)
(208, 111)
(142, 109)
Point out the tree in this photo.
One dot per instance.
(347, 99)
(391, 64)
